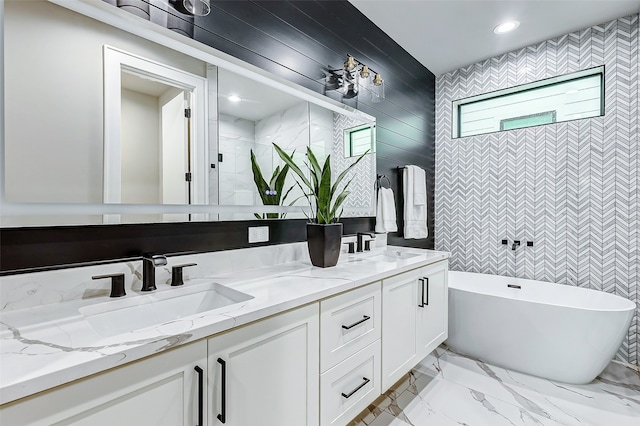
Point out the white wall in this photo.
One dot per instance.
(140, 151)
(53, 97)
(236, 139)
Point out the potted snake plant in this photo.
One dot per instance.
(326, 198)
(272, 192)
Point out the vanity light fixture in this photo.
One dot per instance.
(506, 27)
(234, 98)
(353, 78)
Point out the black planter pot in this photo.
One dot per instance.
(324, 243)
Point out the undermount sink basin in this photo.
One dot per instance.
(135, 313)
(388, 255)
(394, 255)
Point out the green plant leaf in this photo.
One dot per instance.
(288, 160)
(314, 167)
(261, 184)
(272, 181)
(324, 192)
(279, 181)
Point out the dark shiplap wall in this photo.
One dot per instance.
(296, 41)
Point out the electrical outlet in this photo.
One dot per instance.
(258, 234)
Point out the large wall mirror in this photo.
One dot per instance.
(113, 119)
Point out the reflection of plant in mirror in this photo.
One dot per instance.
(324, 197)
(270, 193)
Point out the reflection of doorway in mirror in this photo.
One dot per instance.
(155, 135)
(155, 142)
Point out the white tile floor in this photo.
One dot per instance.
(450, 389)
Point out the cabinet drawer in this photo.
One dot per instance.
(349, 322)
(349, 387)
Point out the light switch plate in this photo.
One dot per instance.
(258, 234)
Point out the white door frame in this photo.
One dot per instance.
(116, 60)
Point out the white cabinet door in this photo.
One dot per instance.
(414, 319)
(399, 324)
(267, 373)
(162, 390)
(433, 314)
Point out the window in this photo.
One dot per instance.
(563, 98)
(358, 140)
(528, 120)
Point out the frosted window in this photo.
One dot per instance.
(357, 141)
(564, 98)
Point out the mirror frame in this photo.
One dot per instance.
(123, 20)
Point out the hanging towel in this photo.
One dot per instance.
(415, 203)
(386, 211)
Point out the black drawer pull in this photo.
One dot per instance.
(364, 318)
(424, 303)
(223, 384)
(356, 389)
(513, 286)
(200, 395)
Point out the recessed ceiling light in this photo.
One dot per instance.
(506, 27)
(234, 98)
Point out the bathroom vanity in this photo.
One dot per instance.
(308, 346)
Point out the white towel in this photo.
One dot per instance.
(415, 203)
(386, 211)
(419, 186)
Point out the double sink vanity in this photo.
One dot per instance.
(253, 336)
(257, 343)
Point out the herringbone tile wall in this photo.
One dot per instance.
(572, 188)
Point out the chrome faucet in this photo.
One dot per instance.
(360, 238)
(149, 264)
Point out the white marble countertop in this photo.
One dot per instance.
(46, 346)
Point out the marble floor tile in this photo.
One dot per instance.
(450, 389)
(564, 403)
(446, 403)
(386, 419)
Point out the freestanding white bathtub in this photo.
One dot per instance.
(559, 332)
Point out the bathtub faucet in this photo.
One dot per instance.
(515, 244)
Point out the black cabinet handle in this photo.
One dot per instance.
(356, 389)
(424, 303)
(223, 384)
(364, 318)
(426, 279)
(200, 395)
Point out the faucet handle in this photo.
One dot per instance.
(352, 246)
(176, 273)
(117, 284)
(367, 245)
